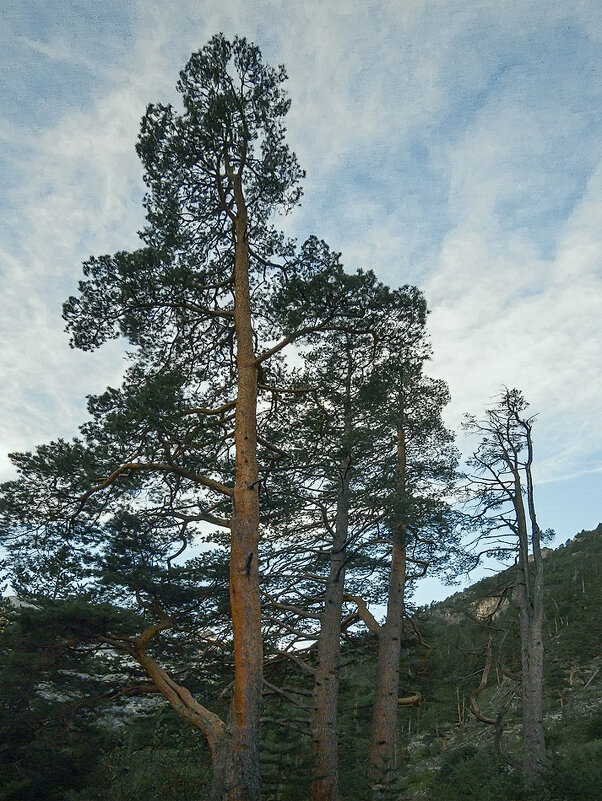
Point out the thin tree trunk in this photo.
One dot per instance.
(325, 774)
(244, 574)
(534, 760)
(381, 760)
(530, 602)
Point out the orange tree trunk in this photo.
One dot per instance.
(244, 574)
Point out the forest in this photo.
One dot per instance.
(68, 727)
(213, 579)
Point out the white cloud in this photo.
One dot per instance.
(502, 315)
(59, 49)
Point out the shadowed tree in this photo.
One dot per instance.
(341, 456)
(374, 461)
(419, 528)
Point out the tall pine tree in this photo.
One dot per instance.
(208, 303)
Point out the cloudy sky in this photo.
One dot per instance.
(455, 144)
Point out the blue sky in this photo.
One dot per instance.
(456, 145)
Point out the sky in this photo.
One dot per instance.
(452, 144)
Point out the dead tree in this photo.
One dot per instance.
(503, 488)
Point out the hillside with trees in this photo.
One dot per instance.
(69, 733)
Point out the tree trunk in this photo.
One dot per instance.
(530, 602)
(531, 623)
(244, 574)
(534, 762)
(235, 749)
(381, 760)
(325, 774)
(221, 771)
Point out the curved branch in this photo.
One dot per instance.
(164, 467)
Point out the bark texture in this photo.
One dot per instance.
(244, 573)
(534, 759)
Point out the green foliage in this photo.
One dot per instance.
(50, 739)
(576, 773)
(156, 760)
(469, 773)
(444, 754)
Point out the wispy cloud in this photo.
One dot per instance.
(59, 49)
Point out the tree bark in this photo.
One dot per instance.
(382, 755)
(244, 573)
(534, 759)
(224, 781)
(530, 603)
(325, 772)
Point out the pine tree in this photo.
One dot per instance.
(371, 415)
(208, 304)
(419, 526)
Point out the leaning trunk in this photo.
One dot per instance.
(244, 574)
(182, 701)
(383, 743)
(325, 776)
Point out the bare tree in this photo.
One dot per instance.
(503, 487)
